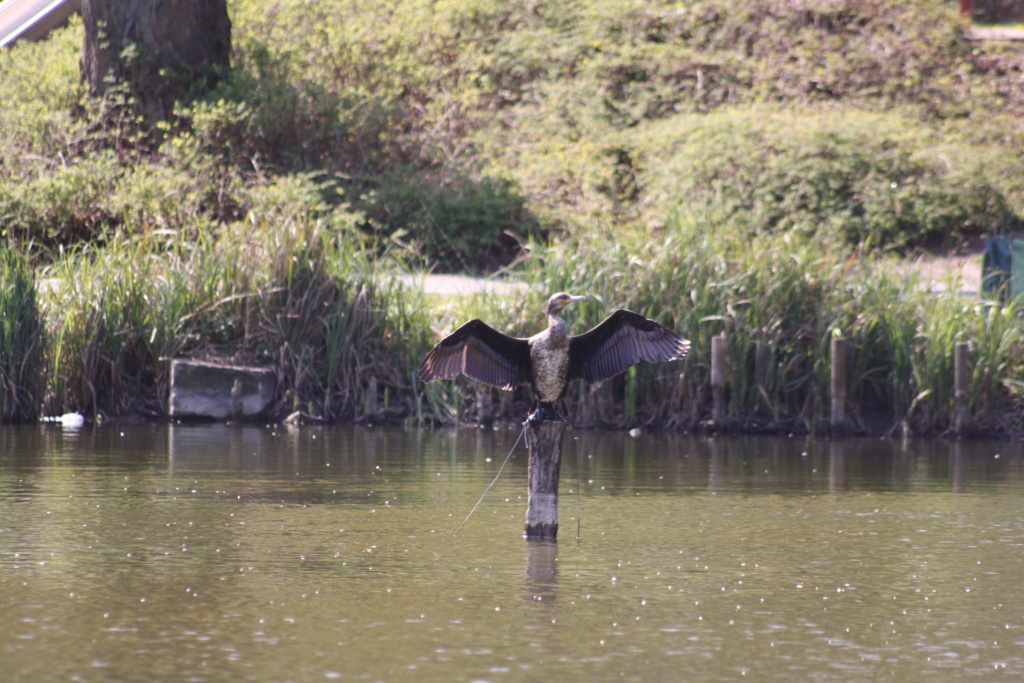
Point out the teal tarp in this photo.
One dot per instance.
(1017, 271)
(1002, 270)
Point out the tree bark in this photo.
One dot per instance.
(163, 50)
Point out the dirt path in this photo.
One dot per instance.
(937, 271)
(463, 284)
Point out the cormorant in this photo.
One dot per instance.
(549, 359)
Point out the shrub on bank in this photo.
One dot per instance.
(445, 124)
(852, 176)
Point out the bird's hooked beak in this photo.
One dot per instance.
(558, 302)
(568, 300)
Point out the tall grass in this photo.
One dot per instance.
(22, 339)
(780, 300)
(307, 296)
(299, 294)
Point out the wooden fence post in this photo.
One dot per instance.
(960, 380)
(370, 409)
(838, 420)
(544, 441)
(484, 407)
(718, 379)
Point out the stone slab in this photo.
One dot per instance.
(220, 392)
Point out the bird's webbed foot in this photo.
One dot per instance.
(544, 412)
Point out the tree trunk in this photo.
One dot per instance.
(163, 50)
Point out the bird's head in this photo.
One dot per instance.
(559, 301)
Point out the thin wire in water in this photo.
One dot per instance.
(484, 494)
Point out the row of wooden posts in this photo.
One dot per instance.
(544, 439)
(838, 385)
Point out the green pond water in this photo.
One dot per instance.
(224, 553)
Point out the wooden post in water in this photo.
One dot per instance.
(484, 407)
(960, 379)
(370, 409)
(718, 379)
(838, 420)
(544, 441)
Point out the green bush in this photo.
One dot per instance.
(61, 204)
(858, 176)
(432, 117)
(39, 94)
(456, 224)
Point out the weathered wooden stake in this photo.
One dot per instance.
(718, 379)
(371, 397)
(544, 441)
(960, 379)
(484, 407)
(838, 384)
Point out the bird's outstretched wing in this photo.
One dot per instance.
(480, 352)
(623, 339)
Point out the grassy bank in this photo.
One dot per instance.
(780, 300)
(297, 296)
(309, 301)
(746, 168)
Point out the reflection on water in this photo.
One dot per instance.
(228, 553)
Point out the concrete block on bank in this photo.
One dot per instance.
(220, 392)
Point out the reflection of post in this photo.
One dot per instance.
(960, 387)
(541, 568)
(836, 466)
(544, 441)
(370, 409)
(838, 384)
(716, 466)
(959, 468)
(484, 407)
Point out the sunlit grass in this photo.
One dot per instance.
(780, 300)
(301, 297)
(345, 331)
(22, 339)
